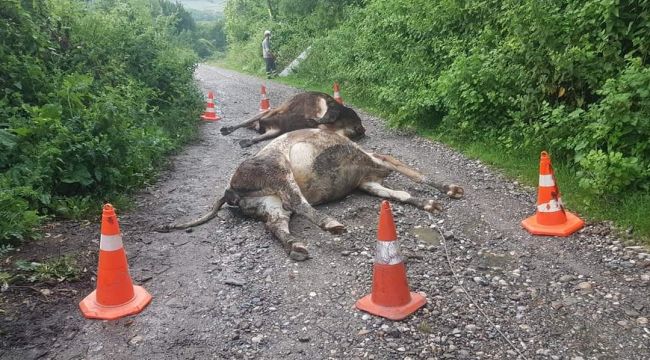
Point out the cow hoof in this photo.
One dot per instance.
(246, 143)
(455, 192)
(334, 227)
(298, 252)
(225, 130)
(431, 206)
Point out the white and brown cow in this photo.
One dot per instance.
(308, 167)
(302, 111)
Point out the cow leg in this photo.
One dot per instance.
(325, 222)
(389, 162)
(295, 201)
(269, 134)
(278, 224)
(225, 130)
(276, 217)
(378, 189)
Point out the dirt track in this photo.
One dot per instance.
(584, 297)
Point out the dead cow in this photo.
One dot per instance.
(302, 111)
(309, 167)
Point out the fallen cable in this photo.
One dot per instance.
(460, 283)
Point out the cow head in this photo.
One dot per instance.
(348, 124)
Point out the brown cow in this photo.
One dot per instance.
(309, 167)
(302, 111)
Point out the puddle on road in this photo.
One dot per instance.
(492, 260)
(427, 235)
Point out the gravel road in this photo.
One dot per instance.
(227, 290)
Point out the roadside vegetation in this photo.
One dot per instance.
(93, 95)
(499, 80)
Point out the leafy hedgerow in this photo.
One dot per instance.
(92, 96)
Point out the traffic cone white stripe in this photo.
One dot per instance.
(551, 206)
(388, 253)
(546, 180)
(110, 242)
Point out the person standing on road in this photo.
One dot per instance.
(268, 55)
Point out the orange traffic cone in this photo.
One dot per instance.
(210, 114)
(550, 217)
(115, 296)
(337, 93)
(390, 297)
(264, 103)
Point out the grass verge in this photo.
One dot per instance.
(628, 211)
(52, 270)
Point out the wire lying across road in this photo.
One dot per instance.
(460, 283)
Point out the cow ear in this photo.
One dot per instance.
(332, 113)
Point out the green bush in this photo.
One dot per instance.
(294, 26)
(620, 126)
(17, 220)
(53, 270)
(92, 97)
(608, 172)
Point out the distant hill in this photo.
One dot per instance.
(204, 10)
(204, 5)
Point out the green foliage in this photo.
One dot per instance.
(608, 172)
(6, 249)
(203, 15)
(210, 38)
(294, 26)
(92, 96)
(57, 269)
(240, 17)
(17, 219)
(183, 20)
(206, 38)
(608, 140)
(245, 57)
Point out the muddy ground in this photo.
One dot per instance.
(228, 291)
